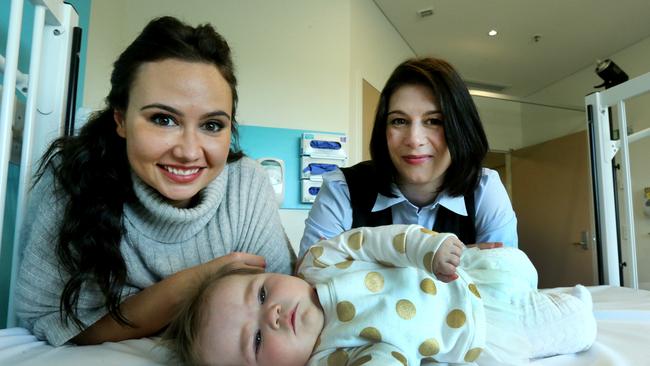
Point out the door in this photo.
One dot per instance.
(551, 194)
(370, 102)
(497, 160)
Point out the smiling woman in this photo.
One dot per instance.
(416, 142)
(177, 127)
(152, 195)
(427, 147)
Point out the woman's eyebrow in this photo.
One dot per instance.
(163, 107)
(216, 114)
(398, 111)
(170, 109)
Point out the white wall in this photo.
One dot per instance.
(571, 91)
(376, 49)
(543, 123)
(502, 122)
(292, 57)
(105, 41)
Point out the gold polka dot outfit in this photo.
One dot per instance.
(383, 305)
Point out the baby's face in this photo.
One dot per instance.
(261, 319)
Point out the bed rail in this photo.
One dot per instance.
(21, 79)
(604, 149)
(47, 97)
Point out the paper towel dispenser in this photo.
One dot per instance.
(275, 169)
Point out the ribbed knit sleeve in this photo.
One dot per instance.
(40, 277)
(256, 218)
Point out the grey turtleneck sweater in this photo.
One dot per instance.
(236, 213)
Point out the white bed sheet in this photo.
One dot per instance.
(623, 339)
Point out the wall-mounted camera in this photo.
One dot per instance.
(611, 74)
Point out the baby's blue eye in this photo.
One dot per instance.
(262, 295)
(258, 341)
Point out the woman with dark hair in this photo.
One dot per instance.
(152, 195)
(427, 146)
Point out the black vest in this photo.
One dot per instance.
(362, 184)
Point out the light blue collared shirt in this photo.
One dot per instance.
(331, 213)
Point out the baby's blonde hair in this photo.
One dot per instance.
(182, 334)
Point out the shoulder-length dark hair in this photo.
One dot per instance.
(92, 169)
(464, 132)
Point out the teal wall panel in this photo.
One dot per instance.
(280, 143)
(7, 238)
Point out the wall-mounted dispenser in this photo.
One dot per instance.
(275, 168)
(320, 153)
(646, 201)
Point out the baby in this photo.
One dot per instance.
(374, 296)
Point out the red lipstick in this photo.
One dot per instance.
(416, 159)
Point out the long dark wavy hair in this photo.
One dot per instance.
(464, 132)
(92, 169)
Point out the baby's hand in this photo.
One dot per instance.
(447, 258)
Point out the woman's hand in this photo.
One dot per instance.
(233, 260)
(447, 258)
(152, 309)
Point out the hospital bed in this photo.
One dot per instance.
(623, 313)
(623, 316)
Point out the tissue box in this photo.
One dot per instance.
(328, 146)
(310, 189)
(314, 168)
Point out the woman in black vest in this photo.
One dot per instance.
(427, 146)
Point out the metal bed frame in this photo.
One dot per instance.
(604, 148)
(50, 87)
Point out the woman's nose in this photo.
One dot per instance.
(273, 316)
(414, 135)
(187, 147)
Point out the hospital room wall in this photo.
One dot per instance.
(299, 63)
(287, 54)
(571, 91)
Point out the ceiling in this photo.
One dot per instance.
(572, 35)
